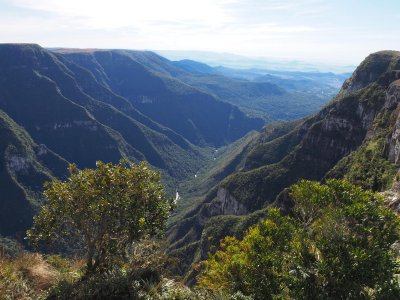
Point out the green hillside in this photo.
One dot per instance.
(353, 137)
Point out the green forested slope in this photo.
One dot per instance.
(354, 136)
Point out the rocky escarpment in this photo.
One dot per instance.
(358, 127)
(336, 131)
(370, 70)
(24, 166)
(190, 229)
(226, 204)
(393, 141)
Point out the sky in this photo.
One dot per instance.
(338, 32)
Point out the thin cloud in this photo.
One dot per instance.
(301, 29)
(122, 13)
(95, 14)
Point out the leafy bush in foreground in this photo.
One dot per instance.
(107, 208)
(337, 245)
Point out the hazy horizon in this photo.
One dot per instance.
(236, 61)
(337, 33)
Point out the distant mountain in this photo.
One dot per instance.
(355, 137)
(50, 97)
(274, 95)
(55, 110)
(86, 105)
(143, 79)
(235, 61)
(258, 98)
(194, 67)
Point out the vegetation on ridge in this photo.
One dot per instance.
(337, 245)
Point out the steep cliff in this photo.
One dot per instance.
(54, 110)
(24, 166)
(355, 136)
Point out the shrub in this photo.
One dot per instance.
(338, 244)
(107, 208)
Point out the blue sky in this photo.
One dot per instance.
(328, 31)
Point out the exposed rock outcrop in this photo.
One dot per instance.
(226, 204)
(18, 164)
(393, 142)
(370, 70)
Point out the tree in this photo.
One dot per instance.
(352, 238)
(259, 265)
(338, 244)
(107, 208)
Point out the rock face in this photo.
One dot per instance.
(393, 141)
(17, 164)
(373, 67)
(226, 204)
(24, 166)
(351, 127)
(392, 196)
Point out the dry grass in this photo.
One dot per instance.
(30, 276)
(41, 274)
(17, 279)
